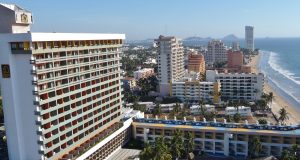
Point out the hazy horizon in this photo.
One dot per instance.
(148, 19)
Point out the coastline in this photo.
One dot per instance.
(278, 101)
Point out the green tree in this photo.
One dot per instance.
(161, 149)
(262, 121)
(255, 147)
(285, 155)
(157, 110)
(147, 153)
(189, 143)
(177, 148)
(283, 115)
(1, 112)
(202, 109)
(236, 117)
(139, 107)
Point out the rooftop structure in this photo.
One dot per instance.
(14, 19)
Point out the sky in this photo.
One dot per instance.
(143, 19)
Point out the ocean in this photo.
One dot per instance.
(280, 62)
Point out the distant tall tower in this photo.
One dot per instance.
(170, 62)
(249, 37)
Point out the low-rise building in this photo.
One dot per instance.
(129, 83)
(151, 105)
(195, 109)
(242, 110)
(238, 86)
(143, 73)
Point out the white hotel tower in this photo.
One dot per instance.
(170, 62)
(61, 91)
(249, 37)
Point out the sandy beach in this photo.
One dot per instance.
(278, 101)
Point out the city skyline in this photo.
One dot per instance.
(136, 19)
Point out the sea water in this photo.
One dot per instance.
(280, 62)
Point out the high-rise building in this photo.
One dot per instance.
(235, 46)
(170, 62)
(196, 63)
(249, 37)
(61, 91)
(216, 52)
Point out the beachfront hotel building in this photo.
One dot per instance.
(238, 86)
(216, 52)
(222, 139)
(196, 63)
(249, 37)
(61, 91)
(170, 62)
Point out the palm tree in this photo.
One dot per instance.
(147, 152)
(294, 152)
(177, 108)
(202, 109)
(271, 97)
(283, 115)
(285, 155)
(162, 151)
(189, 143)
(177, 144)
(157, 110)
(255, 147)
(236, 117)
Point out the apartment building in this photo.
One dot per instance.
(193, 91)
(238, 86)
(216, 52)
(61, 91)
(227, 139)
(249, 37)
(196, 63)
(143, 73)
(170, 62)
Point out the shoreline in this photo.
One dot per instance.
(278, 101)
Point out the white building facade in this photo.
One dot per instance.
(242, 110)
(143, 73)
(170, 62)
(249, 37)
(238, 86)
(61, 91)
(193, 91)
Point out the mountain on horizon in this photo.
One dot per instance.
(230, 37)
(195, 38)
